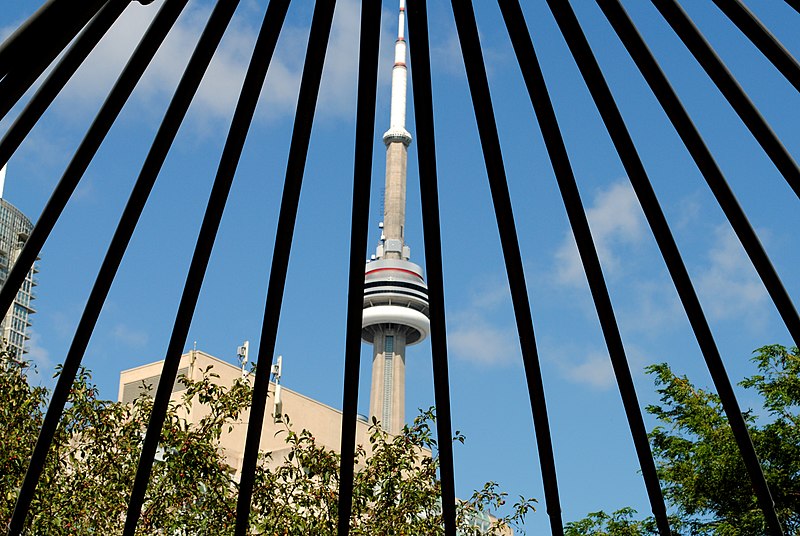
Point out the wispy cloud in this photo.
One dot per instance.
(616, 221)
(39, 355)
(592, 368)
(728, 283)
(221, 85)
(589, 364)
(653, 306)
(475, 338)
(130, 336)
(478, 334)
(446, 53)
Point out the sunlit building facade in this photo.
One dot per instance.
(15, 228)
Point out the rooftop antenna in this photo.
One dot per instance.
(242, 352)
(277, 412)
(194, 353)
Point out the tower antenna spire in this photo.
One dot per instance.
(397, 123)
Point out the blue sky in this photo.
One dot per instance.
(594, 454)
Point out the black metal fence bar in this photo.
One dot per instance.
(251, 89)
(86, 151)
(33, 47)
(295, 167)
(362, 178)
(768, 44)
(638, 50)
(32, 51)
(173, 118)
(711, 172)
(501, 199)
(730, 88)
(61, 74)
(16, 41)
(204, 51)
(429, 193)
(539, 95)
(15, 50)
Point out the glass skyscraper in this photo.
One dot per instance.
(14, 230)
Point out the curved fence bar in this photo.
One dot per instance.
(173, 118)
(295, 167)
(362, 180)
(36, 48)
(490, 141)
(426, 155)
(16, 41)
(540, 99)
(209, 40)
(52, 31)
(61, 74)
(733, 92)
(711, 172)
(795, 4)
(762, 38)
(17, 49)
(637, 48)
(97, 132)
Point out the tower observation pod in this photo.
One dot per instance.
(395, 293)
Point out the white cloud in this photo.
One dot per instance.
(615, 220)
(475, 338)
(590, 365)
(728, 283)
(476, 335)
(39, 355)
(221, 85)
(215, 100)
(446, 54)
(593, 369)
(490, 294)
(689, 213)
(130, 336)
(654, 308)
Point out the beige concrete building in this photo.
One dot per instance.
(323, 421)
(304, 413)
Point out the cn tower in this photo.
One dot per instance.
(395, 293)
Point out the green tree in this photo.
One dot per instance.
(702, 474)
(619, 523)
(87, 477)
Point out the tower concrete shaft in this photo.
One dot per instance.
(394, 211)
(395, 294)
(388, 399)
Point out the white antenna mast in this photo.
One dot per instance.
(277, 411)
(242, 353)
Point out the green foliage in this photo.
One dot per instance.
(702, 473)
(619, 523)
(86, 480)
(395, 489)
(21, 416)
(90, 468)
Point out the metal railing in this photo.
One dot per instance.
(74, 28)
